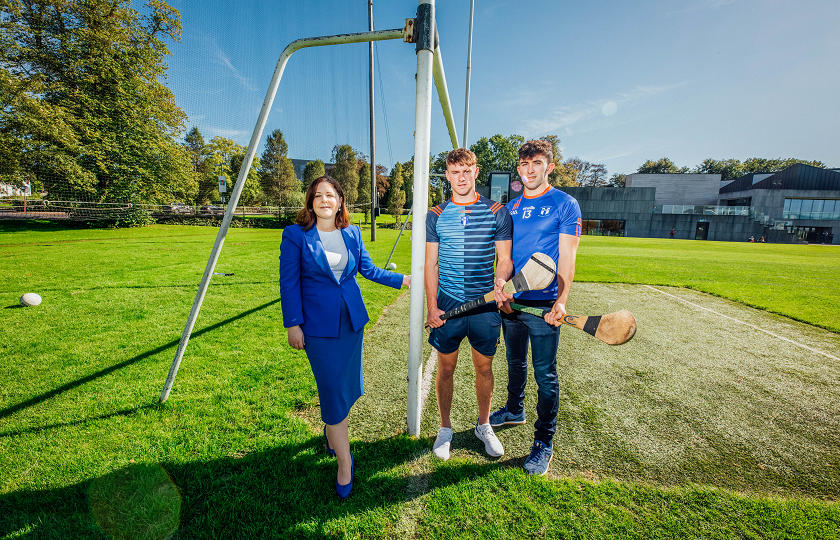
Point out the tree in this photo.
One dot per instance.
(617, 180)
(363, 195)
(312, 171)
(438, 166)
(758, 165)
(563, 175)
(587, 174)
(346, 171)
(277, 173)
(85, 107)
(496, 154)
(382, 185)
(397, 198)
(197, 148)
(726, 168)
(203, 174)
(407, 185)
(435, 195)
(661, 166)
(730, 169)
(252, 194)
(220, 152)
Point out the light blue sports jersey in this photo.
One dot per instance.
(466, 234)
(537, 224)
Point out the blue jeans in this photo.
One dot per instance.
(520, 328)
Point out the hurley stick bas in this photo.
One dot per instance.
(537, 274)
(613, 328)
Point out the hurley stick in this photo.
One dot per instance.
(613, 328)
(537, 274)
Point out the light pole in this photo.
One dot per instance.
(469, 61)
(373, 192)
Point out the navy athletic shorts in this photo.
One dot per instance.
(481, 326)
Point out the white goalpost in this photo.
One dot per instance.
(429, 69)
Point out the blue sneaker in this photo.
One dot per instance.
(539, 459)
(503, 418)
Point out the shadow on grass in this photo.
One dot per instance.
(191, 285)
(8, 411)
(38, 225)
(285, 492)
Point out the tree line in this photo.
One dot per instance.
(86, 115)
(728, 169)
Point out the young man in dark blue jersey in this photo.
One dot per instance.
(463, 237)
(545, 220)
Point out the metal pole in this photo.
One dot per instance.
(443, 96)
(243, 174)
(422, 131)
(398, 237)
(373, 190)
(469, 61)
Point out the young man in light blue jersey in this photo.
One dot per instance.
(463, 237)
(545, 220)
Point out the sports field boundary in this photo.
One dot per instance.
(777, 336)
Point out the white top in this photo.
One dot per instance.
(336, 251)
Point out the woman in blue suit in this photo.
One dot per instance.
(323, 308)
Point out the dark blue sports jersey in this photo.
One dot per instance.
(466, 234)
(537, 223)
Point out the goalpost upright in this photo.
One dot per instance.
(429, 69)
(422, 144)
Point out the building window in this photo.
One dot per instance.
(814, 235)
(603, 227)
(746, 201)
(811, 209)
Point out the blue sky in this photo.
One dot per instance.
(618, 82)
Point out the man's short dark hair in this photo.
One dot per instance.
(532, 149)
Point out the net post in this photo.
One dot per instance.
(422, 132)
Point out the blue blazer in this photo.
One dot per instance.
(309, 293)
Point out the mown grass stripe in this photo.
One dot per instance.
(747, 324)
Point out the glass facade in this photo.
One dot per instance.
(603, 227)
(811, 209)
(703, 210)
(814, 235)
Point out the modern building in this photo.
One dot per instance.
(796, 205)
(805, 198)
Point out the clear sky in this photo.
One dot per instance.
(619, 82)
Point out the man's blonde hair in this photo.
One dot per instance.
(461, 156)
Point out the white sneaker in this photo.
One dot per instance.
(491, 444)
(442, 443)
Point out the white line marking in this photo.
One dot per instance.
(746, 324)
(426, 387)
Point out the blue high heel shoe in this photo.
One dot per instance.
(344, 491)
(330, 450)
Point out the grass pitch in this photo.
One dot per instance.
(671, 436)
(796, 281)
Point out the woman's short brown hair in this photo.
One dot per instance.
(306, 218)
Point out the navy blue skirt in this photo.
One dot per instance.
(337, 365)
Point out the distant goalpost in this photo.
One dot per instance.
(421, 31)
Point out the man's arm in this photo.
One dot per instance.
(565, 275)
(431, 277)
(504, 270)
